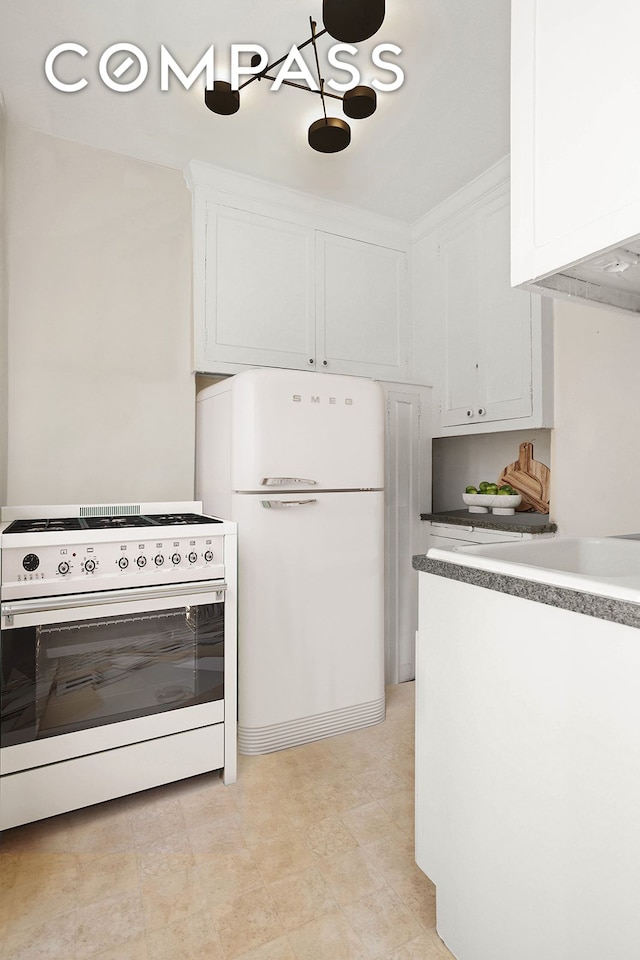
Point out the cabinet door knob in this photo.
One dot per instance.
(325, 363)
(469, 413)
(310, 359)
(481, 411)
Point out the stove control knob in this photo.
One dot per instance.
(176, 558)
(123, 563)
(208, 555)
(63, 567)
(158, 560)
(89, 566)
(141, 561)
(193, 556)
(31, 562)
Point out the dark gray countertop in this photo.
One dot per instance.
(604, 608)
(516, 523)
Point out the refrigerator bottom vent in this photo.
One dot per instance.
(293, 733)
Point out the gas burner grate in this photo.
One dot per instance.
(58, 524)
(179, 519)
(116, 522)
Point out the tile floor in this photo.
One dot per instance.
(308, 856)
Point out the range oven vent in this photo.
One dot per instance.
(112, 510)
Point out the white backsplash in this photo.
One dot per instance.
(460, 461)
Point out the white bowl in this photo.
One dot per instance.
(502, 505)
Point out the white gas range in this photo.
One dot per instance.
(50, 551)
(118, 640)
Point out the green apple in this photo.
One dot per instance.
(470, 490)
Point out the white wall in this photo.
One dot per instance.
(100, 389)
(460, 461)
(596, 442)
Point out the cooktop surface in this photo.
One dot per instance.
(63, 524)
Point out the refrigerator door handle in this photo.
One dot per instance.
(286, 503)
(281, 481)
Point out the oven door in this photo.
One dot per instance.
(96, 671)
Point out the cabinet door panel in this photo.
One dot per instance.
(490, 345)
(505, 322)
(407, 489)
(260, 289)
(575, 83)
(458, 302)
(361, 307)
(575, 181)
(488, 326)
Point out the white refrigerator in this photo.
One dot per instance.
(297, 460)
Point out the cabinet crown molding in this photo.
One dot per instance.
(492, 178)
(228, 187)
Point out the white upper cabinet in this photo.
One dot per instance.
(258, 294)
(287, 280)
(487, 348)
(575, 142)
(361, 307)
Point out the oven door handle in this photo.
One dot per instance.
(10, 609)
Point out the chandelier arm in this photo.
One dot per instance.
(301, 86)
(276, 63)
(322, 94)
(315, 53)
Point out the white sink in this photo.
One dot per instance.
(606, 566)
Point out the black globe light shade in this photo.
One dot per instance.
(222, 99)
(359, 102)
(329, 135)
(352, 20)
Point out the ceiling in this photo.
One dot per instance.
(447, 123)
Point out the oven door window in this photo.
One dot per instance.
(59, 678)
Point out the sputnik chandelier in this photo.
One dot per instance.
(348, 21)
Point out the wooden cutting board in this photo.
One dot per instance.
(530, 478)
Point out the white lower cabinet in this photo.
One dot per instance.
(527, 776)
(488, 346)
